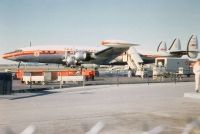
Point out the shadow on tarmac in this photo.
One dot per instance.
(24, 95)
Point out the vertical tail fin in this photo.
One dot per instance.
(162, 46)
(176, 45)
(192, 47)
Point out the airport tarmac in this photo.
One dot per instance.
(127, 108)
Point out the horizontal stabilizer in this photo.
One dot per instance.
(192, 48)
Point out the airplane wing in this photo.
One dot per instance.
(115, 49)
(104, 56)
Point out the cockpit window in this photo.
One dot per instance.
(18, 50)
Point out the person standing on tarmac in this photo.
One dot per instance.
(196, 70)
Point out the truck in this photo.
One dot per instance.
(174, 65)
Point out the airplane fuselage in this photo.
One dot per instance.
(53, 55)
(41, 56)
(117, 52)
(46, 54)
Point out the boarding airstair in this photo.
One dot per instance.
(134, 60)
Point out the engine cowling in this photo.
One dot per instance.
(82, 56)
(71, 61)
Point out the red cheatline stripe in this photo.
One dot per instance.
(14, 54)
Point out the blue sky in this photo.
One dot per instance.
(88, 22)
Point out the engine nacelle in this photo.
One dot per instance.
(192, 47)
(82, 56)
(71, 61)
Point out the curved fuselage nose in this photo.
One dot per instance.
(40, 56)
(11, 56)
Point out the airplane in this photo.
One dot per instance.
(118, 52)
(69, 56)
